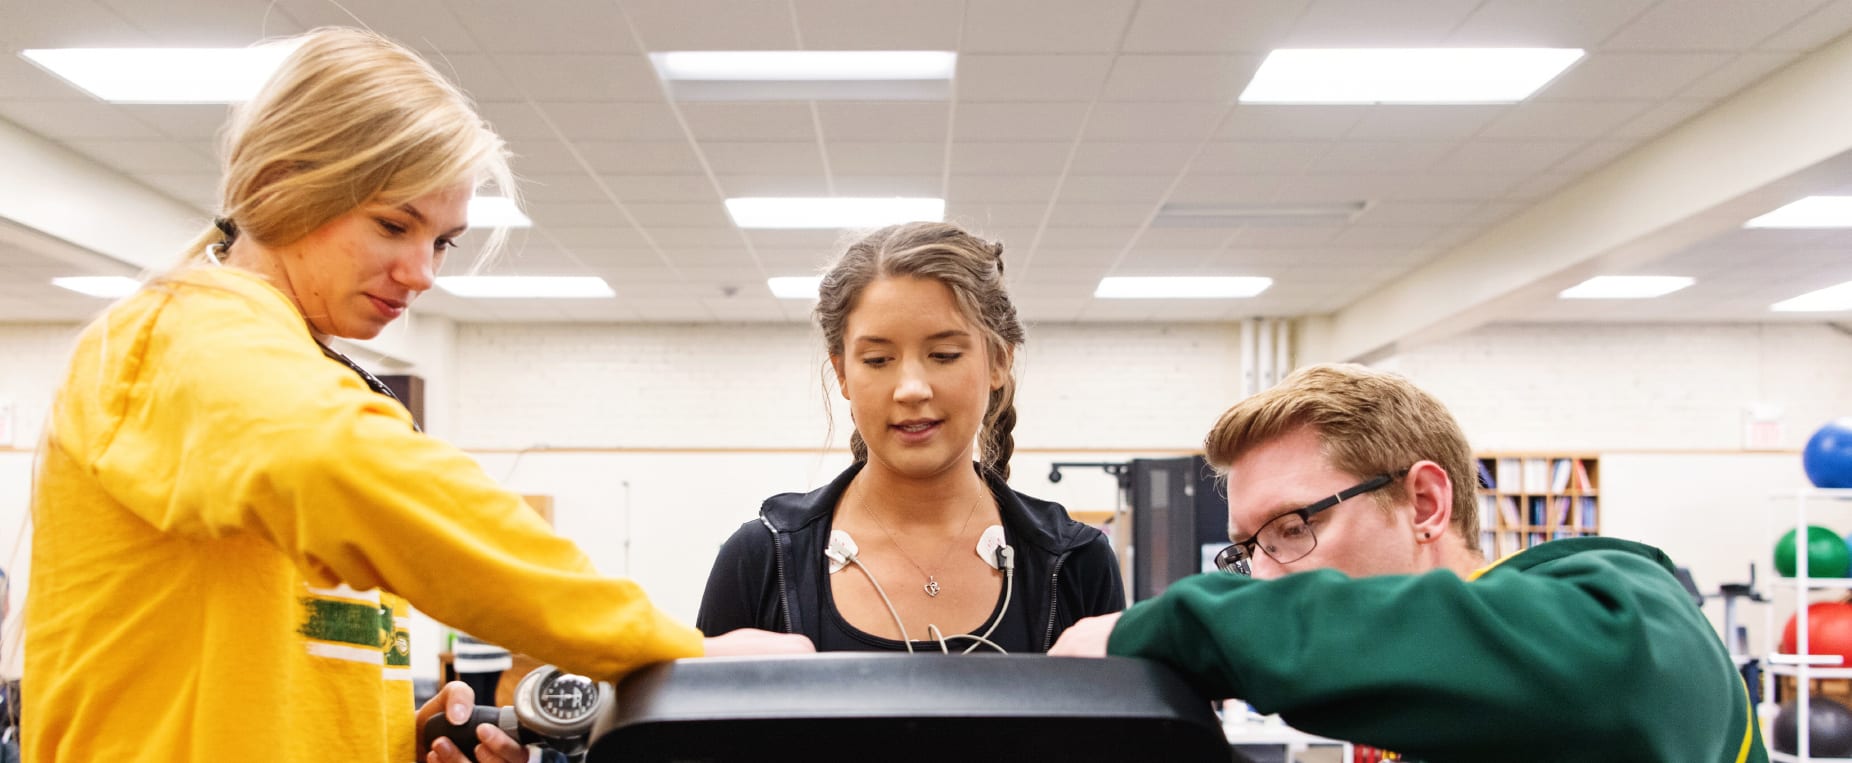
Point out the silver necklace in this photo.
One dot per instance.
(932, 582)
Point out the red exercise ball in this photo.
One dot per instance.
(1829, 631)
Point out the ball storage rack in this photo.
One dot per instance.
(1803, 667)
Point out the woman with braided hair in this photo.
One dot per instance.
(921, 336)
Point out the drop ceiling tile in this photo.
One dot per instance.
(784, 158)
(1211, 26)
(514, 26)
(713, 24)
(639, 158)
(883, 120)
(1166, 159)
(1265, 158)
(808, 184)
(1192, 122)
(1018, 121)
(1009, 158)
(1551, 24)
(722, 121)
(854, 158)
(662, 188)
(1142, 189)
(1018, 78)
(877, 24)
(1706, 25)
(1254, 122)
(1561, 119)
(581, 77)
(1211, 78)
(631, 121)
(1363, 23)
(1065, 26)
(965, 189)
(924, 186)
(1507, 157)
(1616, 76)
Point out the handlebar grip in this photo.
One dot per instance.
(464, 736)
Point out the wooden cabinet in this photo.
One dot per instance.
(1531, 498)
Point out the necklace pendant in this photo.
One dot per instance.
(932, 586)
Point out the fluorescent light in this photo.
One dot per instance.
(108, 287)
(807, 75)
(778, 212)
(1406, 75)
(1626, 287)
(1181, 287)
(496, 212)
(511, 287)
(165, 75)
(1827, 300)
(804, 65)
(1811, 212)
(795, 287)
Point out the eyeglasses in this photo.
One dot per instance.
(1288, 537)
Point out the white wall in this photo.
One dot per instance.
(1664, 405)
(1633, 387)
(761, 386)
(681, 431)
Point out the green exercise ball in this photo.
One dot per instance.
(1827, 554)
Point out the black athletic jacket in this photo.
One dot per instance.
(771, 573)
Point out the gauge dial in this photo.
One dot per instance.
(568, 698)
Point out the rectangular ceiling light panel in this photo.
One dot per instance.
(794, 287)
(496, 212)
(1831, 299)
(165, 75)
(784, 75)
(1406, 75)
(107, 287)
(1626, 287)
(1810, 212)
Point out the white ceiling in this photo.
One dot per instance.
(1072, 121)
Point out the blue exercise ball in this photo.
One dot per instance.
(1828, 457)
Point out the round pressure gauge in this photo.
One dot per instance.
(560, 705)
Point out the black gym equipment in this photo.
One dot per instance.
(861, 706)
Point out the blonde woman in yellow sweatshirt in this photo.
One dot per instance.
(227, 512)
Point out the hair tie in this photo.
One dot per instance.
(229, 229)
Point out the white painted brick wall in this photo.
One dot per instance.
(33, 357)
(1633, 387)
(1133, 386)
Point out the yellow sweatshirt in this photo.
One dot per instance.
(219, 510)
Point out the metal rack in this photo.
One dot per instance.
(1802, 666)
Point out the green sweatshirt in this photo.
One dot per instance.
(1577, 650)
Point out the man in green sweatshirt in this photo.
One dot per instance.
(1356, 603)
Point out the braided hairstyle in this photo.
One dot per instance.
(973, 269)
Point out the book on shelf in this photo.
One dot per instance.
(1508, 475)
(1536, 474)
(1559, 475)
(1539, 513)
(1582, 483)
(1485, 477)
(1508, 506)
(1590, 509)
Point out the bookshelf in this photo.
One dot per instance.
(1531, 498)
